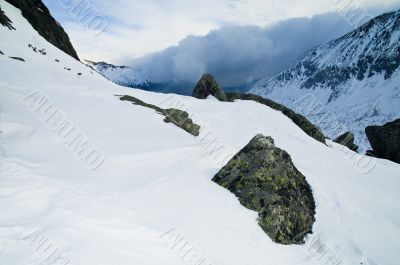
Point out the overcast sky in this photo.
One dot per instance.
(239, 41)
(139, 27)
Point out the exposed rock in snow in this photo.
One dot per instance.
(41, 20)
(264, 179)
(207, 86)
(347, 139)
(298, 119)
(385, 140)
(178, 117)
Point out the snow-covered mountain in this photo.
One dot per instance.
(346, 84)
(123, 75)
(86, 178)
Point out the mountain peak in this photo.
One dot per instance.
(207, 86)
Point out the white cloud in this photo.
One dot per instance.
(140, 27)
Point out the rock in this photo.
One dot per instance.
(79, 73)
(347, 139)
(177, 117)
(385, 140)
(1, 52)
(56, 60)
(41, 20)
(17, 58)
(207, 86)
(181, 119)
(301, 121)
(264, 179)
(5, 21)
(370, 153)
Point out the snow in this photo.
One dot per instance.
(155, 183)
(371, 101)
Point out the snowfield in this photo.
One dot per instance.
(152, 200)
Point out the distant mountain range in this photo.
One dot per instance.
(346, 84)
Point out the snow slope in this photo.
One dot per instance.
(346, 84)
(154, 185)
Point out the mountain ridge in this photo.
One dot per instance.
(349, 74)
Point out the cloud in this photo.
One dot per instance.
(240, 55)
(139, 27)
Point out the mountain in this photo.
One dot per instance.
(346, 84)
(38, 15)
(124, 75)
(86, 178)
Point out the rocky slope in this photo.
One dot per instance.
(346, 84)
(41, 20)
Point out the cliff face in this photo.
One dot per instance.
(42, 21)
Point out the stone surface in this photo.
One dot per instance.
(5, 21)
(41, 20)
(385, 140)
(301, 121)
(347, 139)
(207, 86)
(264, 179)
(177, 117)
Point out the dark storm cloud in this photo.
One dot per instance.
(240, 55)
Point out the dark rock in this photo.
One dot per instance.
(347, 139)
(301, 121)
(370, 153)
(177, 117)
(207, 86)
(41, 20)
(68, 69)
(17, 58)
(79, 73)
(56, 60)
(1, 53)
(264, 179)
(5, 21)
(385, 140)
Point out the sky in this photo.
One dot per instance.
(239, 40)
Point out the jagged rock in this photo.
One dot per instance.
(347, 139)
(301, 121)
(17, 58)
(177, 117)
(385, 140)
(207, 86)
(264, 179)
(5, 21)
(41, 20)
(1, 53)
(370, 153)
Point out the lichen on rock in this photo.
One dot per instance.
(177, 117)
(265, 179)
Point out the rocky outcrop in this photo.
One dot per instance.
(177, 117)
(41, 20)
(385, 140)
(207, 86)
(5, 21)
(347, 139)
(298, 119)
(264, 179)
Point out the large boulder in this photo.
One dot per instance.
(347, 139)
(264, 179)
(385, 140)
(41, 20)
(207, 86)
(301, 121)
